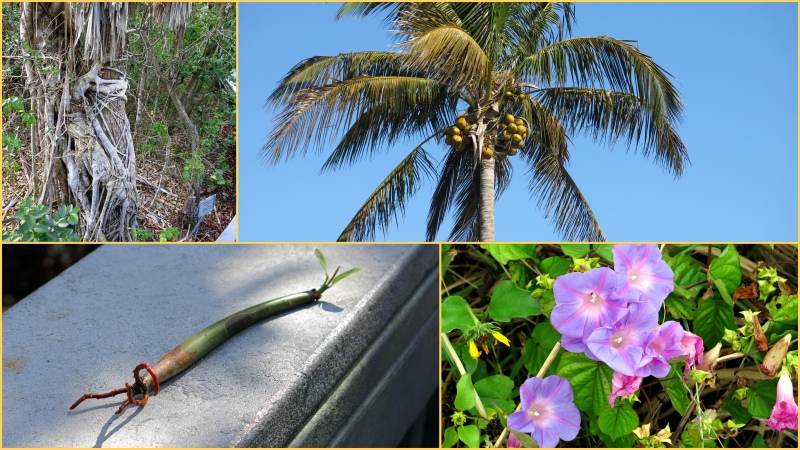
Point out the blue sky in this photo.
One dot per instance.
(736, 68)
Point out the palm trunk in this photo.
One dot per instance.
(487, 200)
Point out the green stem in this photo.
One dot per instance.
(451, 354)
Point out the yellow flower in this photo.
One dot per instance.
(501, 338)
(473, 350)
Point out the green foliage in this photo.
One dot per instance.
(496, 282)
(504, 253)
(194, 168)
(509, 301)
(169, 234)
(726, 269)
(761, 398)
(591, 381)
(676, 389)
(142, 235)
(37, 224)
(455, 314)
(216, 179)
(618, 421)
(711, 318)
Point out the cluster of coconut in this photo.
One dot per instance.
(512, 134)
(456, 133)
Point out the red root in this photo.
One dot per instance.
(139, 384)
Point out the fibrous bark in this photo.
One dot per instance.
(82, 128)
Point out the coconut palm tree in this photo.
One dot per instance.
(485, 82)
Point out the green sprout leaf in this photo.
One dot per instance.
(322, 263)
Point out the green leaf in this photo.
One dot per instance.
(761, 398)
(450, 437)
(26, 227)
(470, 435)
(675, 389)
(508, 301)
(539, 346)
(711, 318)
(555, 266)
(40, 228)
(687, 272)
(322, 263)
(605, 251)
(455, 314)
(576, 250)
(465, 393)
(758, 441)
(618, 421)
(738, 412)
(726, 269)
(496, 390)
(504, 253)
(680, 308)
(344, 275)
(783, 310)
(590, 380)
(72, 219)
(525, 439)
(547, 302)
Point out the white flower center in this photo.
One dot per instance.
(533, 414)
(594, 297)
(633, 277)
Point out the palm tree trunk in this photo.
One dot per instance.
(487, 200)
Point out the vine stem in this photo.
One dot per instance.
(451, 352)
(540, 374)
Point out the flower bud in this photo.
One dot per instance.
(759, 336)
(774, 358)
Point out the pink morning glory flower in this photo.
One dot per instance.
(647, 273)
(623, 385)
(692, 346)
(548, 412)
(665, 345)
(586, 301)
(513, 441)
(784, 413)
(622, 346)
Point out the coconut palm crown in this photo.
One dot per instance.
(486, 82)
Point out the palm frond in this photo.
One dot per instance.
(459, 187)
(318, 114)
(106, 28)
(174, 15)
(365, 138)
(536, 25)
(559, 197)
(322, 70)
(456, 168)
(612, 115)
(364, 9)
(390, 197)
(443, 50)
(604, 62)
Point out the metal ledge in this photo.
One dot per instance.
(126, 304)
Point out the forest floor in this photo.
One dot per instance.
(158, 213)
